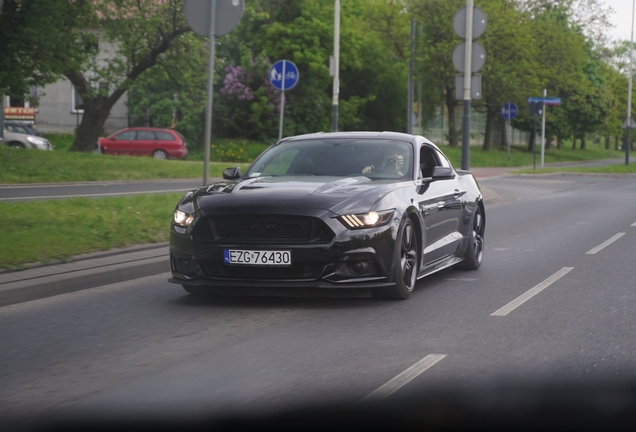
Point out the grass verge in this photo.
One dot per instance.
(497, 156)
(45, 231)
(33, 166)
(607, 169)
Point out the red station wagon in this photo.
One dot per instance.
(144, 141)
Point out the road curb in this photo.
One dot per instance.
(83, 273)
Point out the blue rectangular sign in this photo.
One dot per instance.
(546, 101)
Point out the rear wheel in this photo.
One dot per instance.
(15, 145)
(475, 249)
(160, 155)
(405, 265)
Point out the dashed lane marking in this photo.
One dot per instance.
(604, 244)
(531, 293)
(405, 377)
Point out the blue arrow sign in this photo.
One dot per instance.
(545, 100)
(509, 111)
(286, 69)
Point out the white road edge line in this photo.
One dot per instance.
(405, 377)
(634, 224)
(94, 195)
(531, 292)
(604, 244)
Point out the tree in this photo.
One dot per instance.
(132, 36)
(40, 40)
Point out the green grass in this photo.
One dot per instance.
(620, 168)
(33, 166)
(44, 231)
(60, 141)
(519, 155)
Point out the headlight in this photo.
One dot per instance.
(182, 219)
(366, 220)
(35, 140)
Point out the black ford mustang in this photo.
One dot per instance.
(330, 210)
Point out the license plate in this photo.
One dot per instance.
(257, 257)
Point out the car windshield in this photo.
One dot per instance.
(373, 158)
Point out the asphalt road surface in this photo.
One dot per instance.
(553, 301)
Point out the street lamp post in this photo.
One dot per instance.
(628, 143)
(336, 64)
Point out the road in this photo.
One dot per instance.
(553, 301)
(29, 192)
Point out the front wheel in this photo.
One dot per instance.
(160, 155)
(405, 264)
(475, 249)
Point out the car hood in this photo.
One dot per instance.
(336, 194)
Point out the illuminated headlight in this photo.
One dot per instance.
(366, 220)
(35, 140)
(182, 219)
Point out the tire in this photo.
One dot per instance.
(475, 249)
(160, 155)
(16, 145)
(405, 264)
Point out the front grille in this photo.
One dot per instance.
(295, 271)
(247, 229)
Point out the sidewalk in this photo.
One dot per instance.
(83, 272)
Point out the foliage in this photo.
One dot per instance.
(97, 224)
(40, 40)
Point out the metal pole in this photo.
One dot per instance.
(628, 143)
(336, 61)
(545, 94)
(513, 135)
(468, 53)
(534, 144)
(208, 108)
(282, 102)
(409, 99)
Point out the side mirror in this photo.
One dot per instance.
(232, 173)
(443, 173)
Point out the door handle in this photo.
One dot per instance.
(441, 204)
(458, 193)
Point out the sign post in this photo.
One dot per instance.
(469, 23)
(211, 18)
(283, 75)
(544, 101)
(508, 112)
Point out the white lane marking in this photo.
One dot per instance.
(405, 377)
(93, 195)
(634, 224)
(531, 293)
(604, 244)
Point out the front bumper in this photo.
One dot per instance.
(360, 259)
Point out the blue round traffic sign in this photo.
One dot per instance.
(509, 111)
(283, 75)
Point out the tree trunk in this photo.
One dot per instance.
(607, 142)
(616, 142)
(583, 142)
(490, 119)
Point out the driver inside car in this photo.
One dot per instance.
(391, 164)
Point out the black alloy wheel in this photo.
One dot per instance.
(475, 249)
(405, 264)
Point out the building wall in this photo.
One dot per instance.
(56, 109)
(56, 112)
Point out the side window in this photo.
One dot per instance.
(443, 160)
(128, 135)
(428, 161)
(164, 136)
(145, 135)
